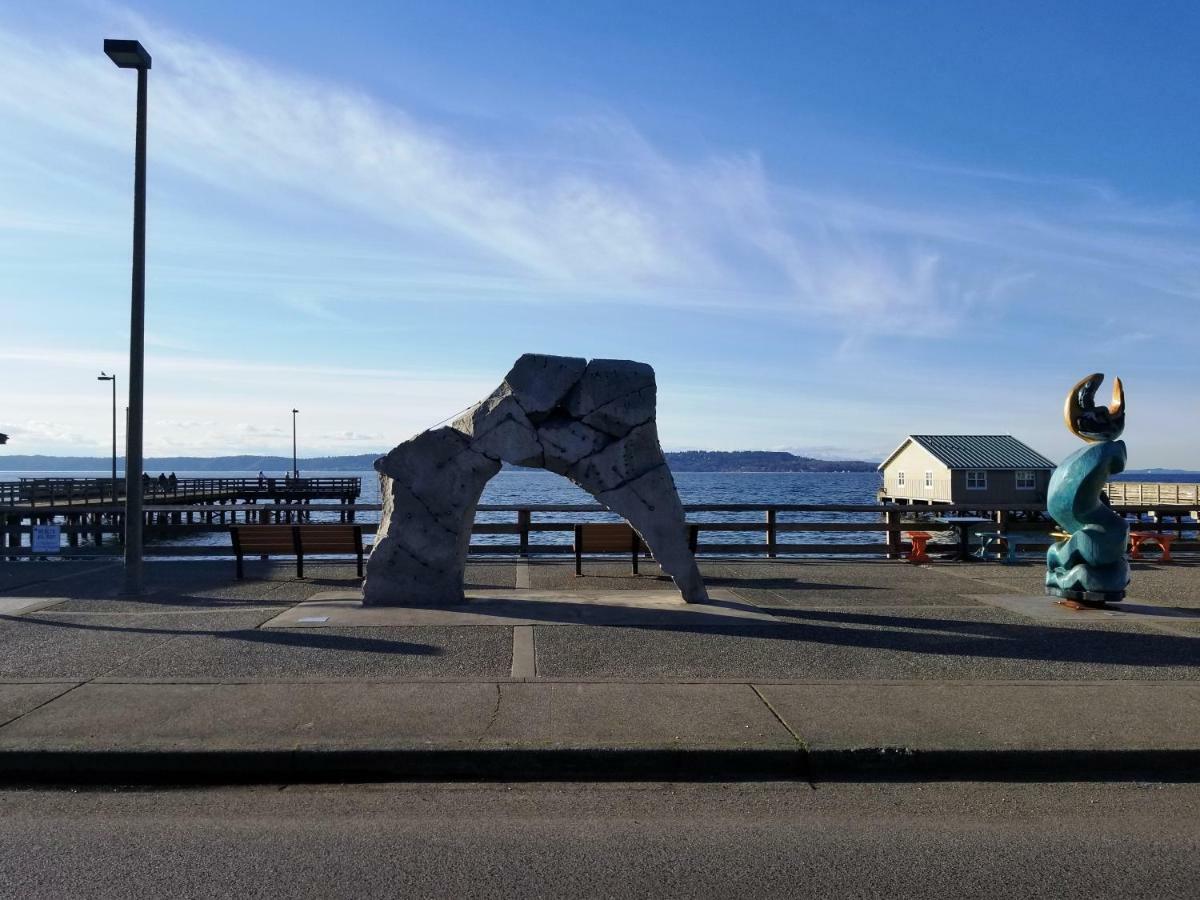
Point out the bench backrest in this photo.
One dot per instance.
(330, 538)
(604, 537)
(282, 538)
(277, 538)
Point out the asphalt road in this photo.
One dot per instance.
(648, 840)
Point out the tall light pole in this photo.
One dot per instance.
(132, 55)
(295, 468)
(103, 376)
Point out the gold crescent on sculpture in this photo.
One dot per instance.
(1118, 399)
(1090, 422)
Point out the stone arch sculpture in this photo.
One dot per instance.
(592, 422)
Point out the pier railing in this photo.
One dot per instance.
(1154, 493)
(92, 491)
(742, 529)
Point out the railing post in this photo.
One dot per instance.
(771, 533)
(892, 517)
(14, 532)
(523, 520)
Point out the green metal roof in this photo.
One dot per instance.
(979, 451)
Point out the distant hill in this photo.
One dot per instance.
(1161, 475)
(681, 461)
(759, 461)
(1142, 473)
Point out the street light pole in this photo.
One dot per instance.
(113, 378)
(132, 55)
(295, 468)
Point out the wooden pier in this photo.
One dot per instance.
(87, 509)
(103, 491)
(1154, 493)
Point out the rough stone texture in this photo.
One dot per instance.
(592, 422)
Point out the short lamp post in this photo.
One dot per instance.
(103, 376)
(295, 468)
(132, 55)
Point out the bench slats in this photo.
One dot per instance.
(297, 540)
(607, 537)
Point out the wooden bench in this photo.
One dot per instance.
(613, 537)
(296, 540)
(604, 537)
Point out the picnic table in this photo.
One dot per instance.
(964, 524)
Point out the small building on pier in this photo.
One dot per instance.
(983, 469)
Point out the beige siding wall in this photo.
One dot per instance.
(914, 461)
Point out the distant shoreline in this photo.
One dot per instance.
(746, 461)
(733, 462)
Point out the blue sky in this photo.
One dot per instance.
(826, 225)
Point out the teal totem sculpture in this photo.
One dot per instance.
(1089, 565)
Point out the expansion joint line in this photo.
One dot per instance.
(96, 677)
(495, 712)
(801, 744)
(21, 715)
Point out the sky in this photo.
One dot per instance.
(827, 225)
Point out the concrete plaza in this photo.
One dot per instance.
(817, 668)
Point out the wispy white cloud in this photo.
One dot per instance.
(598, 211)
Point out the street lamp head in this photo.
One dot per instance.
(104, 376)
(127, 54)
(294, 411)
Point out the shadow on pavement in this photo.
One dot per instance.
(309, 638)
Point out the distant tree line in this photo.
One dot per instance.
(759, 461)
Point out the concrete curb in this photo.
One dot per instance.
(150, 767)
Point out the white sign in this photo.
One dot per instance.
(47, 538)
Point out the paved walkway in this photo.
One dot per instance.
(797, 669)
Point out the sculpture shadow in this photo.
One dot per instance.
(789, 584)
(887, 632)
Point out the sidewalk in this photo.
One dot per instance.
(797, 670)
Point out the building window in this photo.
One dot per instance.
(1026, 481)
(899, 479)
(976, 480)
(928, 479)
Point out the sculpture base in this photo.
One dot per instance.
(1090, 599)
